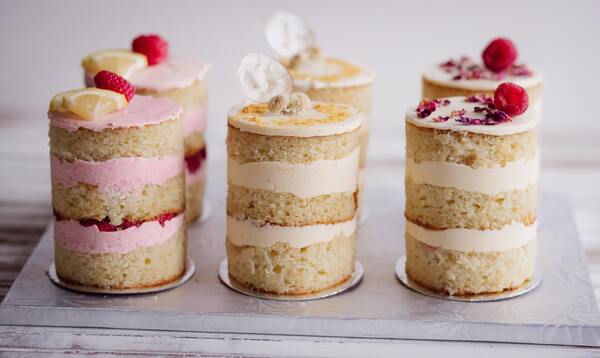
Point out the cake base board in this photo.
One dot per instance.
(347, 285)
(190, 267)
(491, 297)
(561, 311)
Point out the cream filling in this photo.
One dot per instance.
(466, 240)
(303, 180)
(516, 175)
(248, 232)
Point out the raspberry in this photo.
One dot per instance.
(194, 161)
(499, 55)
(153, 46)
(511, 99)
(113, 82)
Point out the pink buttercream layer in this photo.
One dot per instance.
(141, 111)
(71, 235)
(117, 174)
(194, 120)
(175, 72)
(198, 175)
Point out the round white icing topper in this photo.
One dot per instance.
(262, 78)
(288, 35)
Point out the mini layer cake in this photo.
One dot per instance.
(325, 79)
(471, 196)
(292, 197)
(118, 193)
(181, 80)
(466, 77)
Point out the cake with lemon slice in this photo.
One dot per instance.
(465, 76)
(118, 185)
(153, 72)
(292, 185)
(471, 192)
(322, 78)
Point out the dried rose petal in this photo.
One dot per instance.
(466, 69)
(458, 113)
(440, 119)
(428, 106)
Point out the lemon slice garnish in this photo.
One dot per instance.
(88, 103)
(122, 62)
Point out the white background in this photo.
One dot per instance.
(43, 42)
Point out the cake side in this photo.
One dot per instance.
(193, 99)
(292, 197)
(156, 73)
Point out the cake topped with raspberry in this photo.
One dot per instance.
(498, 64)
(111, 104)
(148, 65)
(295, 43)
(507, 112)
(154, 72)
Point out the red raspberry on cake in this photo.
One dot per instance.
(511, 98)
(113, 82)
(499, 55)
(153, 46)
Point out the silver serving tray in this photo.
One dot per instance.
(561, 311)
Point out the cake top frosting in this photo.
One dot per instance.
(141, 111)
(465, 73)
(174, 72)
(324, 72)
(475, 114)
(294, 41)
(148, 65)
(320, 119)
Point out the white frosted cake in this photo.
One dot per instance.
(466, 76)
(471, 193)
(292, 169)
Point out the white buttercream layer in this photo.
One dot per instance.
(516, 175)
(511, 236)
(308, 123)
(247, 232)
(303, 180)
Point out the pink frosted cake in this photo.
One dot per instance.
(155, 73)
(117, 188)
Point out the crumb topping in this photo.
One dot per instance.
(293, 104)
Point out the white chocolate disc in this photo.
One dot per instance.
(262, 78)
(288, 35)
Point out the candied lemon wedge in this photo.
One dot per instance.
(88, 103)
(121, 62)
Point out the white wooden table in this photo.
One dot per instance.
(568, 167)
